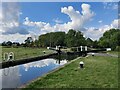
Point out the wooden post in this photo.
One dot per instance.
(85, 48)
(81, 48)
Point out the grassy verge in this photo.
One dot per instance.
(99, 72)
(114, 52)
(22, 52)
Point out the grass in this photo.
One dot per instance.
(99, 72)
(21, 52)
(114, 52)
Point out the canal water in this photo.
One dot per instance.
(19, 75)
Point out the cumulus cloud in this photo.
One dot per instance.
(41, 26)
(77, 20)
(115, 23)
(14, 37)
(95, 34)
(10, 19)
(15, 30)
(10, 28)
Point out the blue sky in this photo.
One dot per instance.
(46, 12)
(25, 19)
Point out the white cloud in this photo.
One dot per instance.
(10, 28)
(110, 5)
(77, 20)
(58, 21)
(14, 37)
(115, 23)
(10, 19)
(100, 21)
(95, 34)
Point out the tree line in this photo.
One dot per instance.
(72, 38)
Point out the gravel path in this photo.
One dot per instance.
(103, 54)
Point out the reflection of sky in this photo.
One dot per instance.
(0, 79)
(35, 69)
(16, 76)
(43, 63)
(10, 77)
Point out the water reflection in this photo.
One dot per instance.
(0, 79)
(44, 63)
(16, 76)
(10, 77)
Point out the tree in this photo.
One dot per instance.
(89, 42)
(4, 44)
(9, 43)
(16, 44)
(95, 44)
(52, 39)
(70, 38)
(110, 39)
(28, 41)
(74, 38)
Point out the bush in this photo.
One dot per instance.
(74, 49)
(117, 48)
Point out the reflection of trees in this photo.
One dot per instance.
(10, 77)
(61, 62)
(61, 59)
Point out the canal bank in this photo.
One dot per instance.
(99, 72)
(6, 64)
(15, 76)
(55, 70)
(9, 63)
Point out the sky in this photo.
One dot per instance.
(19, 20)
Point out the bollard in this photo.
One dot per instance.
(11, 56)
(48, 47)
(81, 64)
(93, 54)
(44, 52)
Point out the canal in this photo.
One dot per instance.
(16, 76)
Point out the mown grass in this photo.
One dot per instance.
(21, 52)
(99, 72)
(114, 52)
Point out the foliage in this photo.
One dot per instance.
(110, 39)
(52, 39)
(74, 38)
(89, 42)
(9, 43)
(74, 49)
(29, 41)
